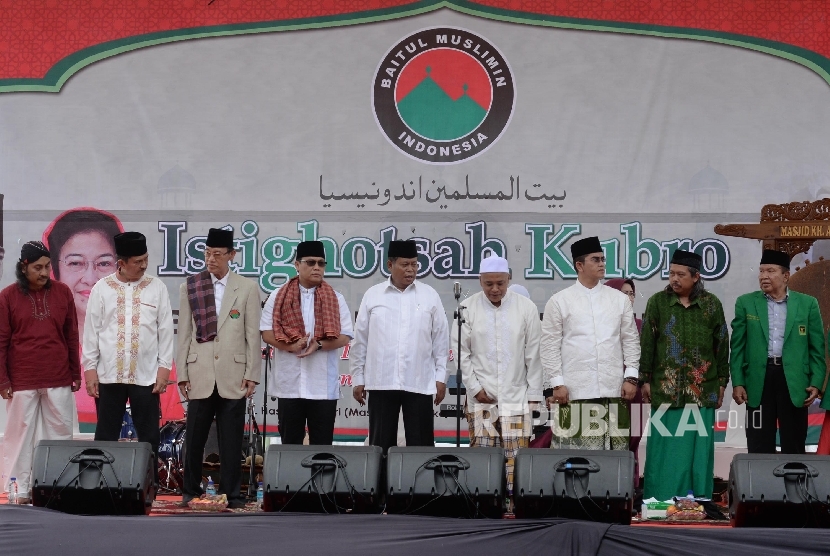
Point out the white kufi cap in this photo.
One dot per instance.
(494, 264)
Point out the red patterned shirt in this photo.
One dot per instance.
(38, 338)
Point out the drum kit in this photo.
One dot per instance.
(171, 450)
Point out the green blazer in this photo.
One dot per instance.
(802, 353)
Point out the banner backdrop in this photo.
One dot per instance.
(470, 135)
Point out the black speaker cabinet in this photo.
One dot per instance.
(94, 478)
(330, 479)
(596, 485)
(776, 490)
(449, 482)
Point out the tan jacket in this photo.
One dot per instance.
(234, 355)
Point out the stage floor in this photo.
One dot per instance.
(28, 530)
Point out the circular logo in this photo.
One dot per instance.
(443, 95)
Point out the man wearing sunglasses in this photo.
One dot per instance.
(590, 352)
(308, 322)
(219, 362)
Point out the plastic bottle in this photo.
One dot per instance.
(211, 488)
(13, 495)
(260, 495)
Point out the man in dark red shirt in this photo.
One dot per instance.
(39, 362)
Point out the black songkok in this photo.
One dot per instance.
(310, 249)
(585, 246)
(404, 249)
(687, 258)
(130, 244)
(220, 238)
(775, 257)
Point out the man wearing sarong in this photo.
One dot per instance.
(591, 356)
(500, 363)
(684, 369)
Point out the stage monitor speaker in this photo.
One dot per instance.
(447, 482)
(779, 490)
(595, 485)
(94, 478)
(322, 479)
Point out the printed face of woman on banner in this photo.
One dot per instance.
(83, 252)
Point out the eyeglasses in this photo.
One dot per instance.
(311, 263)
(597, 259)
(77, 264)
(215, 254)
(630, 294)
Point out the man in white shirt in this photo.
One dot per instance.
(590, 355)
(500, 363)
(219, 363)
(400, 350)
(127, 349)
(306, 376)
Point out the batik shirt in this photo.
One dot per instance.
(684, 350)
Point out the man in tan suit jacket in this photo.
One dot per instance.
(219, 363)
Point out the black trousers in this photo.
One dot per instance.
(144, 408)
(297, 413)
(384, 408)
(776, 412)
(230, 427)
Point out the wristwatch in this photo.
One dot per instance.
(319, 345)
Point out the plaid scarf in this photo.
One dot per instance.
(202, 305)
(288, 313)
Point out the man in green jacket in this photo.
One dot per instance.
(777, 358)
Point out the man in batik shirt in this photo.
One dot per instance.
(684, 369)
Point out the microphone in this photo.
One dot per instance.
(456, 290)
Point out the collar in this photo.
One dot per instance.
(590, 291)
(306, 291)
(389, 284)
(223, 281)
(786, 296)
(674, 299)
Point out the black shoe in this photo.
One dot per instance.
(186, 498)
(237, 503)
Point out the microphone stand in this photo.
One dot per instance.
(254, 445)
(458, 316)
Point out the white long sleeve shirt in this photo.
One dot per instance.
(401, 339)
(588, 337)
(128, 331)
(500, 352)
(316, 377)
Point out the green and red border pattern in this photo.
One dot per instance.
(44, 42)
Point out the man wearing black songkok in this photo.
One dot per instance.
(777, 358)
(219, 363)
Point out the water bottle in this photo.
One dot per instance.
(13, 490)
(260, 495)
(211, 488)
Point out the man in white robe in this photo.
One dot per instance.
(127, 348)
(590, 354)
(500, 364)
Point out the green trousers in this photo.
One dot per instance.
(678, 463)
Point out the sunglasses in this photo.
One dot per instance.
(309, 263)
